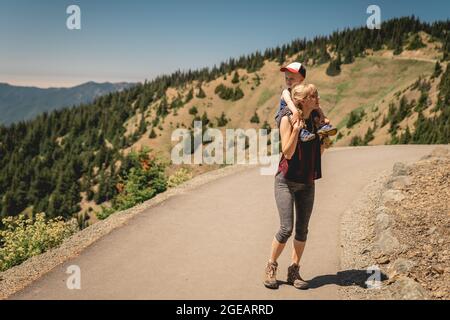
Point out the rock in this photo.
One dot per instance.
(382, 222)
(399, 169)
(381, 210)
(390, 197)
(383, 260)
(401, 266)
(438, 269)
(386, 242)
(408, 289)
(399, 182)
(431, 230)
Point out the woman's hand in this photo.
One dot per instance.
(297, 125)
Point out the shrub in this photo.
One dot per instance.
(180, 176)
(222, 121)
(354, 118)
(356, 141)
(23, 238)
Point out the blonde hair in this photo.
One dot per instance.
(303, 91)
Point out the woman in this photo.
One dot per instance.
(299, 166)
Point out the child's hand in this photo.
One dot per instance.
(327, 121)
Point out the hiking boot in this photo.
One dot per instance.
(293, 277)
(306, 136)
(327, 130)
(270, 280)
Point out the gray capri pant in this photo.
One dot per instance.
(287, 193)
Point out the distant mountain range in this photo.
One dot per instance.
(23, 103)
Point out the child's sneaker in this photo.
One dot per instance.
(327, 130)
(306, 136)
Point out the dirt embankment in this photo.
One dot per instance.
(403, 228)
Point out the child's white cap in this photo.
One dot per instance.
(295, 67)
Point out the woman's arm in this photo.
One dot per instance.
(286, 95)
(289, 137)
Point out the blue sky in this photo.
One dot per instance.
(138, 39)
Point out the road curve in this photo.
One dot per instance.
(213, 242)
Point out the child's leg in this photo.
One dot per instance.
(321, 117)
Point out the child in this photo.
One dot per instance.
(295, 74)
(321, 123)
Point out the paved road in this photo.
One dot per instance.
(213, 243)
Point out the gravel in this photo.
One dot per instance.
(402, 226)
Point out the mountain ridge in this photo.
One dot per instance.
(19, 103)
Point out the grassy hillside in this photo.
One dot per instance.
(369, 83)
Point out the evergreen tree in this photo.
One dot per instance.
(235, 78)
(201, 94)
(255, 118)
(416, 43)
(437, 70)
(189, 96)
(334, 68)
(152, 134)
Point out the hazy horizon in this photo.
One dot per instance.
(130, 41)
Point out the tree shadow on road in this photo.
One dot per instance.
(344, 279)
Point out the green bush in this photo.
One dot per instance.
(23, 238)
(143, 178)
(222, 121)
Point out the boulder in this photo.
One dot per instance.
(408, 289)
(399, 169)
(391, 197)
(400, 266)
(382, 222)
(386, 243)
(399, 182)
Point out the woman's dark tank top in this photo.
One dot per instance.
(305, 166)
